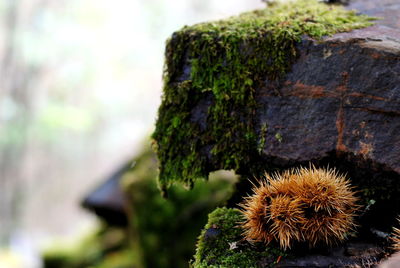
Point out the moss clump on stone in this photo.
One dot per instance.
(221, 244)
(215, 68)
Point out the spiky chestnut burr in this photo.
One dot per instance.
(255, 210)
(312, 205)
(272, 212)
(330, 205)
(287, 216)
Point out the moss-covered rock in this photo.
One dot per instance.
(221, 244)
(221, 64)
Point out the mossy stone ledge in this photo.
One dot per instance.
(221, 244)
(213, 70)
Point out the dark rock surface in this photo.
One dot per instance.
(342, 96)
(356, 254)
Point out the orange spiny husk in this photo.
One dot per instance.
(312, 205)
(287, 217)
(254, 209)
(331, 205)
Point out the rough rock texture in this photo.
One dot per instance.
(341, 96)
(352, 254)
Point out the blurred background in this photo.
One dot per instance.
(80, 83)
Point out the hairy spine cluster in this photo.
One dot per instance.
(317, 206)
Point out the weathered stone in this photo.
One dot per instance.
(363, 255)
(343, 96)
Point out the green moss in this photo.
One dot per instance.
(224, 62)
(224, 246)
